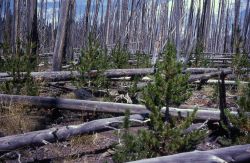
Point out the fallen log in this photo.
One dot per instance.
(239, 153)
(104, 107)
(207, 76)
(185, 106)
(66, 75)
(202, 70)
(72, 104)
(47, 76)
(234, 77)
(192, 78)
(227, 82)
(12, 142)
(112, 73)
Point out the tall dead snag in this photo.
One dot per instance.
(189, 33)
(8, 27)
(116, 26)
(16, 17)
(61, 35)
(106, 25)
(53, 24)
(246, 24)
(220, 24)
(95, 18)
(233, 131)
(86, 22)
(69, 34)
(177, 36)
(225, 48)
(1, 4)
(32, 26)
(204, 25)
(236, 27)
(222, 90)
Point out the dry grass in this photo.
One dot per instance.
(14, 119)
(87, 140)
(209, 90)
(241, 89)
(69, 96)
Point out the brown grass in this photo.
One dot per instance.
(15, 119)
(69, 96)
(83, 140)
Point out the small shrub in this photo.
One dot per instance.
(244, 101)
(240, 61)
(200, 60)
(169, 88)
(93, 57)
(143, 60)
(159, 142)
(119, 58)
(19, 67)
(241, 121)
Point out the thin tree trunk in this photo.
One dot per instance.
(236, 28)
(17, 28)
(53, 24)
(61, 35)
(87, 22)
(33, 30)
(177, 37)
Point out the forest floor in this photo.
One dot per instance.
(97, 147)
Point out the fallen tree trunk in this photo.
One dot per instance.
(234, 77)
(207, 76)
(112, 73)
(192, 78)
(104, 107)
(61, 133)
(239, 153)
(227, 82)
(201, 70)
(68, 75)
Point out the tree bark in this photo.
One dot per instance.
(239, 153)
(33, 30)
(61, 133)
(207, 76)
(68, 75)
(199, 74)
(103, 107)
(61, 35)
(236, 27)
(17, 23)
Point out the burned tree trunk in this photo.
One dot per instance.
(68, 75)
(239, 153)
(17, 23)
(103, 107)
(61, 133)
(236, 28)
(233, 131)
(33, 30)
(61, 35)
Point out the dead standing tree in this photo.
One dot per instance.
(61, 34)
